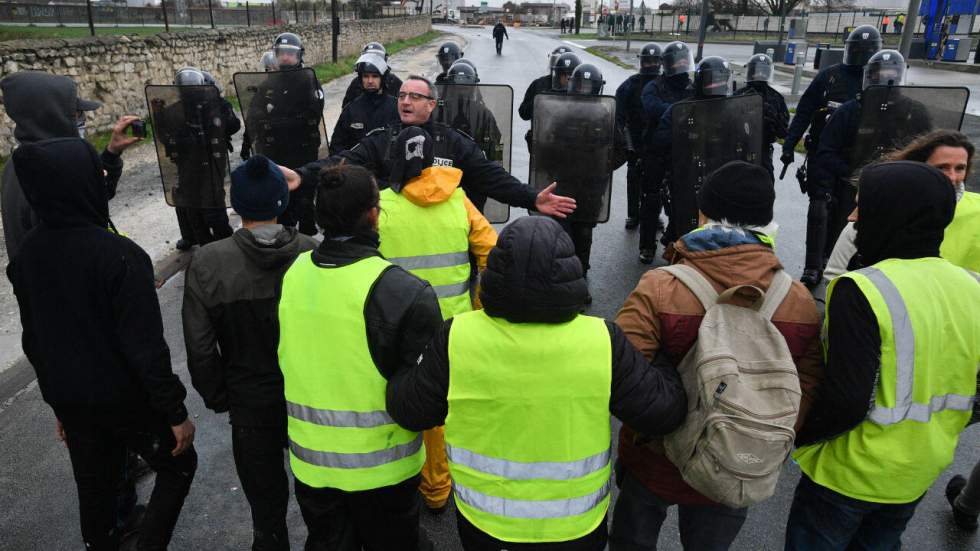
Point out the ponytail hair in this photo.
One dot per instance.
(344, 196)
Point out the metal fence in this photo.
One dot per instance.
(171, 13)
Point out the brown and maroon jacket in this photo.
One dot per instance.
(662, 314)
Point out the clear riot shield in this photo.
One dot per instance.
(892, 116)
(191, 144)
(283, 113)
(485, 113)
(706, 134)
(572, 144)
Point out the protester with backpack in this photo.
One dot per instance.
(729, 260)
(903, 345)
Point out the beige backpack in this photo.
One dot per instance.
(743, 395)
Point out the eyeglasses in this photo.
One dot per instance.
(414, 96)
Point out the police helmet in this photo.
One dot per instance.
(371, 63)
(677, 59)
(449, 52)
(713, 77)
(651, 56)
(289, 43)
(377, 48)
(555, 54)
(564, 66)
(759, 68)
(209, 80)
(462, 72)
(586, 80)
(885, 68)
(268, 62)
(861, 44)
(189, 76)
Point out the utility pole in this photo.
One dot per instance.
(703, 31)
(91, 22)
(782, 19)
(908, 31)
(211, 13)
(166, 21)
(335, 30)
(629, 26)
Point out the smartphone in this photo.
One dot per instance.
(137, 129)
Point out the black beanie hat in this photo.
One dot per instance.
(738, 192)
(259, 190)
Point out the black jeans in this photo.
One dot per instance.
(474, 539)
(258, 455)
(639, 514)
(651, 201)
(500, 45)
(383, 519)
(97, 447)
(824, 520)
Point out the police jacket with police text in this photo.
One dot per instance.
(837, 83)
(361, 116)
(530, 279)
(482, 178)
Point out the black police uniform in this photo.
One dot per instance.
(539, 85)
(364, 114)
(775, 117)
(482, 177)
(390, 84)
(631, 119)
(657, 96)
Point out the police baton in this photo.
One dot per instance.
(783, 173)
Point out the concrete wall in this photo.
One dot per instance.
(115, 69)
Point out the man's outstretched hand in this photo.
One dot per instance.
(554, 205)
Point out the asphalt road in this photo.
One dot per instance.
(38, 507)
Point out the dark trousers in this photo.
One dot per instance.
(299, 213)
(824, 520)
(258, 453)
(639, 514)
(97, 447)
(634, 179)
(474, 539)
(384, 519)
(500, 45)
(651, 202)
(581, 234)
(202, 226)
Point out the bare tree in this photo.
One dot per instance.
(773, 6)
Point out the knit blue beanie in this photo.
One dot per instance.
(258, 190)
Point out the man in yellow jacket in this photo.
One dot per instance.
(429, 227)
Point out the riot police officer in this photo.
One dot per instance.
(630, 118)
(671, 86)
(540, 84)
(838, 156)
(561, 72)
(758, 75)
(448, 54)
(372, 109)
(829, 89)
(390, 83)
(288, 49)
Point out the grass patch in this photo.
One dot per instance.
(325, 72)
(599, 52)
(10, 32)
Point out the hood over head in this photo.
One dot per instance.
(533, 275)
(43, 105)
(903, 210)
(63, 181)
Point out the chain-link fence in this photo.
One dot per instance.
(180, 14)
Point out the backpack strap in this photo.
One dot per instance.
(697, 283)
(778, 289)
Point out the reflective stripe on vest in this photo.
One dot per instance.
(541, 474)
(340, 435)
(431, 241)
(930, 355)
(961, 242)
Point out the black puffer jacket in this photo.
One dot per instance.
(231, 330)
(88, 303)
(42, 106)
(533, 276)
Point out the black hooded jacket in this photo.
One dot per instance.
(231, 329)
(42, 106)
(889, 226)
(533, 276)
(88, 303)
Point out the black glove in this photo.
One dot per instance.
(788, 156)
